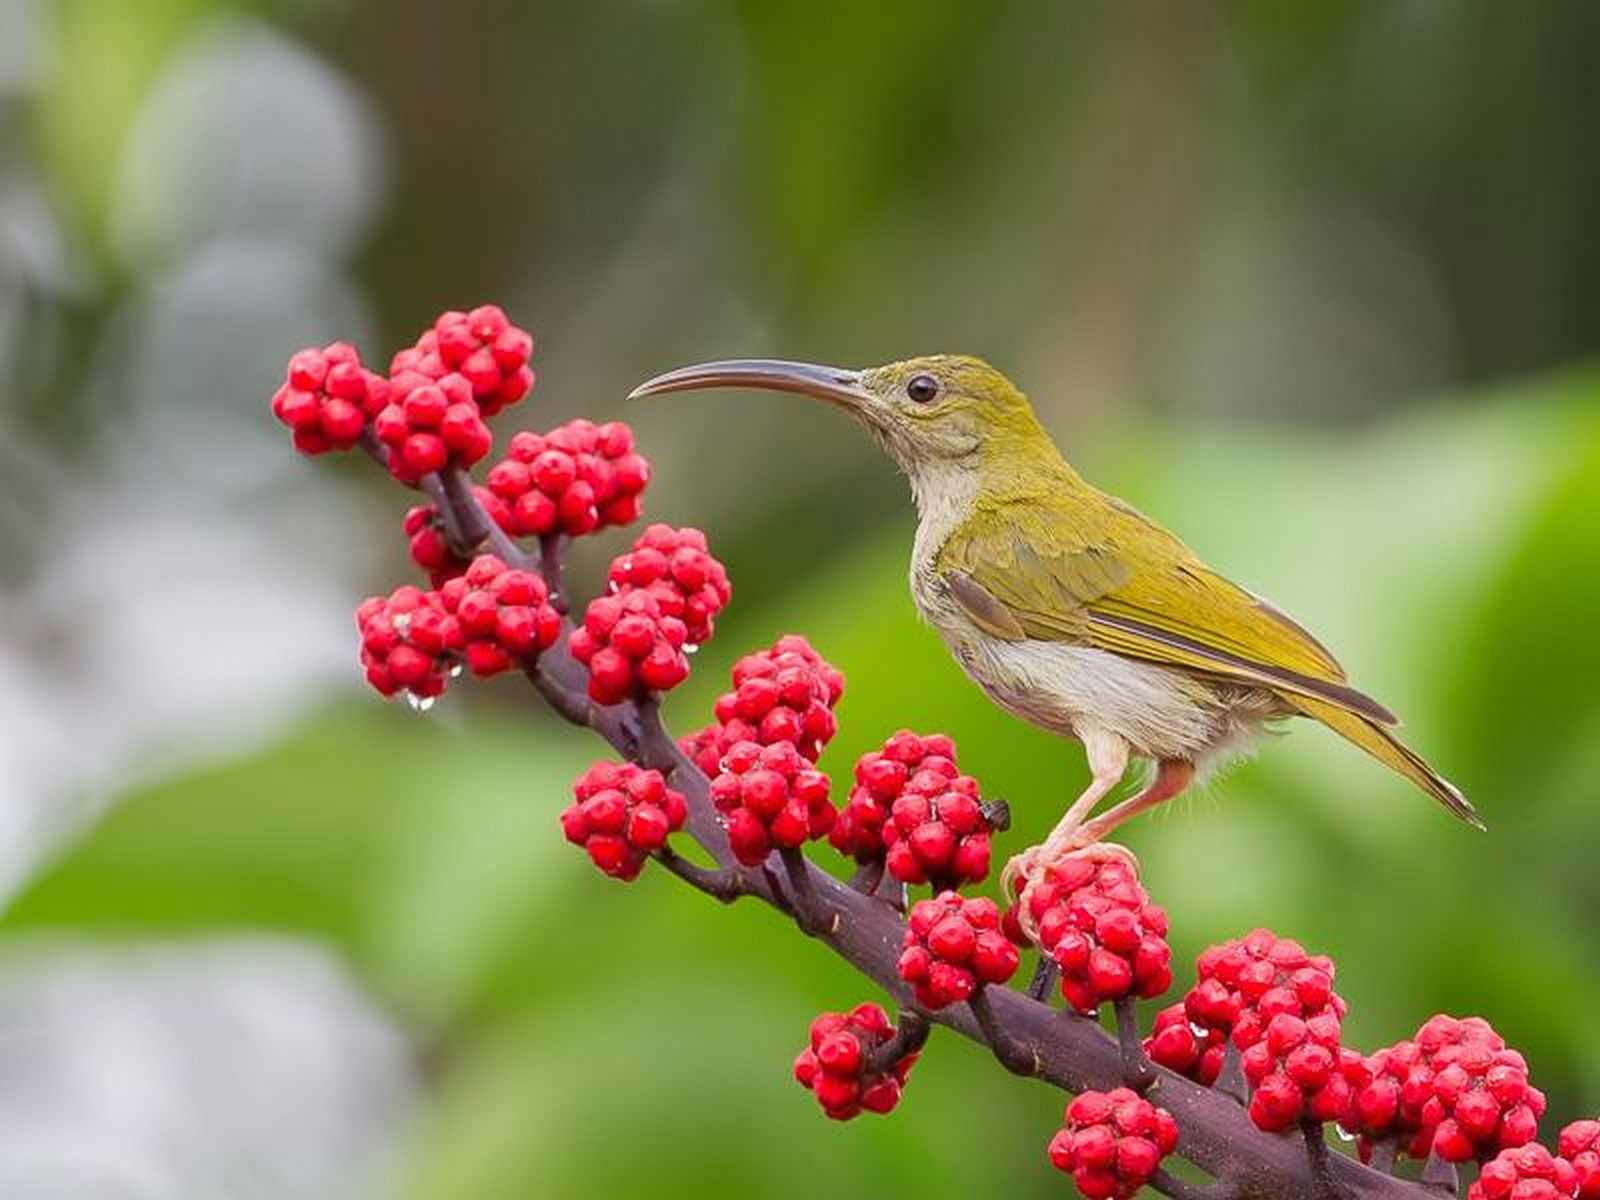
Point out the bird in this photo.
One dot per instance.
(1071, 609)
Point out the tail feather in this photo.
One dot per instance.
(1390, 751)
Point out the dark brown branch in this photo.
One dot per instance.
(1138, 1072)
(1215, 1133)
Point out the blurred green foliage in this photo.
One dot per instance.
(1313, 284)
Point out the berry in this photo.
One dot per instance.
(953, 947)
(1296, 1069)
(1455, 1090)
(630, 647)
(785, 694)
(675, 567)
(429, 548)
(770, 797)
(621, 814)
(1097, 922)
(483, 347)
(328, 398)
(1177, 1045)
(407, 642)
(503, 616)
(429, 424)
(1526, 1173)
(1112, 1142)
(837, 1066)
(1243, 984)
(1580, 1145)
(576, 479)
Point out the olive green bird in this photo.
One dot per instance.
(1067, 606)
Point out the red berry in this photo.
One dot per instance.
(675, 566)
(483, 347)
(954, 946)
(770, 798)
(630, 647)
(1527, 1172)
(837, 1066)
(1177, 1045)
(504, 616)
(1111, 1143)
(1579, 1144)
(576, 479)
(328, 397)
(409, 642)
(785, 694)
(620, 814)
(429, 423)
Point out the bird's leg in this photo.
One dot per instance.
(1108, 762)
(1172, 776)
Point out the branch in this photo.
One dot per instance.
(1023, 1031)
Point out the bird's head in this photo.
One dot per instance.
(930, 414)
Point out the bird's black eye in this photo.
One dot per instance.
(922, 388)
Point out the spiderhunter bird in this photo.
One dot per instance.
(1068, 607)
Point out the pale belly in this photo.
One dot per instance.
(1159, 712)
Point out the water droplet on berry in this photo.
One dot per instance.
(456, 669)
(402, 623)
(1200, 1031)
(691, 648)
(1343, 1134)
(420, 704)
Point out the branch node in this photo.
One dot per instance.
(867, 876)
(1168, 1184)
(910, 1035)
(1440, 1176)
(720, 883)
(810, 912)
(1230, 1080)
(1317, 1153)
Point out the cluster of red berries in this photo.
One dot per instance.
(429, 424)
(1112, 1143)
(490, 618)
(481, 346)
(1297, 1071)
(1097, 922)
(1525, 1173)
(630, 647)
(576, 479)
(405, 642)
(838, 1068)
(328, 398)
(954, 946)
(503, 616)
(1174, 1043)
(621, 814)
(912, 805)
(1579, 1144)
(771, 797)
(676, 567)
(1455, 1090)
(785, 694)
(430, 549)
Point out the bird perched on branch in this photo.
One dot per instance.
(1067, 606)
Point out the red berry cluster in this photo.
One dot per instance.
(483, 347)
(1098, 923)
(576, 479)
(837, 1066)
(328, 398)
(405, 640)
(424, 529)
(1579, 1144)
(1297, 1071)
(911, 804)
(630, 647)
(1526, 1173)
(502, 616)
(621, 814)
(771, 798)
(785, 694)
(1455, 1090)
(1179, 1046)
(1112, 1143)
(954, 946)
(429, 424)
(676, 567)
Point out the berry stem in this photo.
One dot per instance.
(1317, 1155)
(808, 906)
(1138, 1072)
(720, 883)
(1169, 1184)
(1440, 1176)
(1044, 978)
(551, 546)
(1230, 1080)
(455, 500)
(867, 877)
(1014, 1056)
(910, 1035)
(1383, 1154)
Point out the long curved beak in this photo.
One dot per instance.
(833, 384)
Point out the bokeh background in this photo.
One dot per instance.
(1317, 284)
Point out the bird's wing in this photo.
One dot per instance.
(1103, 575)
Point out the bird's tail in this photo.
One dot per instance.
(1390, 751)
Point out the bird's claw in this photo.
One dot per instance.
(1034, 865)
